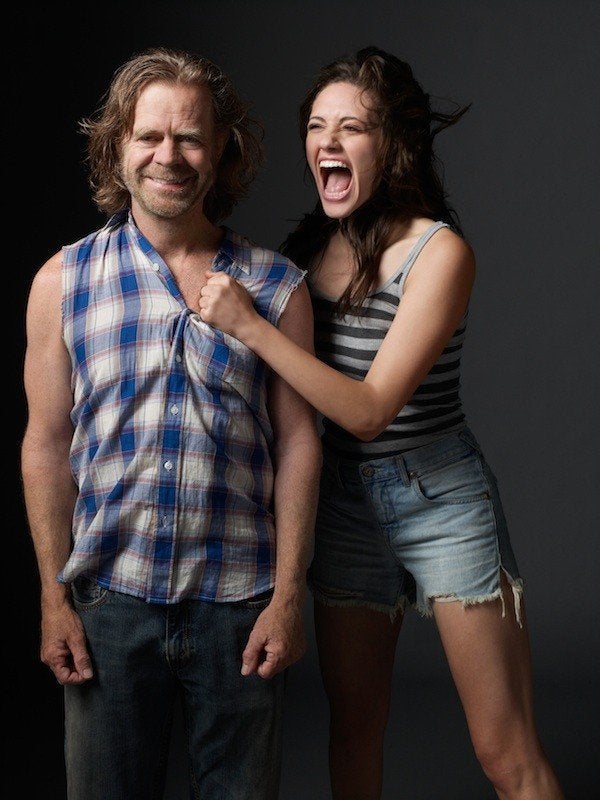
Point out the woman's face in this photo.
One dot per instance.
(343, 141)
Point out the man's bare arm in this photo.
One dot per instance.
(278, 638)
(47, 481)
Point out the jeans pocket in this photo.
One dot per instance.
(259, 601)
(87, 593)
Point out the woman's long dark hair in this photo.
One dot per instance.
(409, 182)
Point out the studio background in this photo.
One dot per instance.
(522, 170)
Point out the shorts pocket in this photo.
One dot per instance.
(460, 481)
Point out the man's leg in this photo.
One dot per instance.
(233, 723)
(117, 725)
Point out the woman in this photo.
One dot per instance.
(409, 510)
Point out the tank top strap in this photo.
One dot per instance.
(414, 253)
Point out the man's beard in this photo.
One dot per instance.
(168, 204)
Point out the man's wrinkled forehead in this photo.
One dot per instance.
(191, 101)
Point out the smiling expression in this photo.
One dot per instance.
(343, 142)
(170, 158)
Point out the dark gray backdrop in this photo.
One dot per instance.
(522, 170)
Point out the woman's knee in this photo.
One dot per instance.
(506, 760)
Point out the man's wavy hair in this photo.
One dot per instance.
(110, 126)
(409, 180)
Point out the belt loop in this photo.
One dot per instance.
(402, 470)
(335, 468)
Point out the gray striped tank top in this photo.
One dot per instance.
(350, 343)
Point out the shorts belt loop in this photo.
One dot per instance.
(402, 470)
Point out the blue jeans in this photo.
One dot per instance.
(117, 726)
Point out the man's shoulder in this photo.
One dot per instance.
(83, 247)
(255, 258)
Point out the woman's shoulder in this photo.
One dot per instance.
(444, 253)
(448, 245)
(425, 239)
(442, 241)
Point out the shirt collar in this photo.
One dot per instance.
(234, 251)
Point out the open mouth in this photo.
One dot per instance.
(336, 179)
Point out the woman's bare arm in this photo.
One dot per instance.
(435, 298)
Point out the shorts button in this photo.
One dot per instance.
(368, 471)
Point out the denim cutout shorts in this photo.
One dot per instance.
(404, 530)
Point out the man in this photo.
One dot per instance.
(163, 466)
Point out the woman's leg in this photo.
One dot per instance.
(490, 662)
(356, 653)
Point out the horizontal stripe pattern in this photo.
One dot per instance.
(350, 344)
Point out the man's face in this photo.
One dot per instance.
(169, 160)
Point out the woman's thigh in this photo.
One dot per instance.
(356, 648)
(489, 658)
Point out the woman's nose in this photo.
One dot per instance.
(329, 140)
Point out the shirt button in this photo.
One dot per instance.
(156, 267)
(165, 521)
(178, 358)
(174, 410)
(368, 471)
(168, 465)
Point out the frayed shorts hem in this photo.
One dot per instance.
(425, 608)
(342, 598)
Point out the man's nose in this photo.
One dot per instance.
(167, 152)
